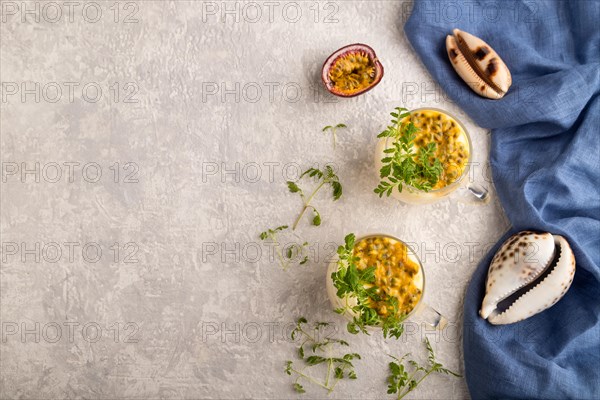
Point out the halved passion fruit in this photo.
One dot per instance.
(352, 70)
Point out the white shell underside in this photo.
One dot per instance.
(536, 286)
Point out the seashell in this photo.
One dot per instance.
(478, 64)
(529, 273)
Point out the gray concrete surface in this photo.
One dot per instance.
(146, 144)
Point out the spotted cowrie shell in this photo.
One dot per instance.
(478, 64)
(530, 272)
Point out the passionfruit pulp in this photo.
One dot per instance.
(352, 70)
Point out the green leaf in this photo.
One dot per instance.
(352, 328)
(430, 354)
(339, 373)
(448, 372)
(351, 356)
(314, 360)
(329, 172)
(298, 388)
(317, 218)
(337, 190)
(349, 240)
(312, 172)
(293, 187)
(385, 170)
(367, 275)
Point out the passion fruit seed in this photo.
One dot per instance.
(352, 72)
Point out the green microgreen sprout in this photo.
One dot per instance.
(333, 130)
(401, 164)
(338, 366)
(326, 177)
(357, 284)
(286, 255)
(401, 381)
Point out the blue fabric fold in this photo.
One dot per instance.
(545, 161)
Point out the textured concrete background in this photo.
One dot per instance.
(146, 144)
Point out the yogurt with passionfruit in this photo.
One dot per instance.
(452, 149)
(398, 274)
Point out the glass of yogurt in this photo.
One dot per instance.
(453, 149)
(398, 273)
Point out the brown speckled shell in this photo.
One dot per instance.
(521, 260)
(478, 65)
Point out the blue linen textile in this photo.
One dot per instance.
(545, 160)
